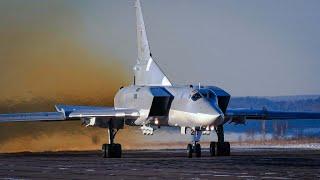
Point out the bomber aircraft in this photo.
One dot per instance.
(153, 101)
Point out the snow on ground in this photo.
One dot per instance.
(314, 146)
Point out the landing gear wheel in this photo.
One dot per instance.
(220, 148)
(197, 149)
(227, 148)
(105, 151)
(223, 149)
(213, 146)
(189, 150)
(117, 150)
(111, 151)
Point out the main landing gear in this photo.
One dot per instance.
(111, 150)
(220, 148)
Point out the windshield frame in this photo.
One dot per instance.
(209, 94)
(196, 95)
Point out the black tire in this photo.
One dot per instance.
(104, 150)
(213, 146)
(223, 149)
(111, 151)
(220, 149)
(227, 149)
(197, 150)
(117, 150)
(189, 150)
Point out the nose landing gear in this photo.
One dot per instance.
(195, 147)
(220, 148)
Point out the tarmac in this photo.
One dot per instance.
(244, 163)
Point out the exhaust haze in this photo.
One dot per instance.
(45, 61)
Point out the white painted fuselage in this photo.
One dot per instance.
(179, 106)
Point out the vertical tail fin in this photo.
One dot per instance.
(146, 71)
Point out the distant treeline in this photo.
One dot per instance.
(277, 104)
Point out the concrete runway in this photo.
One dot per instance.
(164, 164)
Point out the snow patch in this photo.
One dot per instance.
(314, 146)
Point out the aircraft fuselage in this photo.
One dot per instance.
(184, 106)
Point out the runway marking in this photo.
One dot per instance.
(246, 176)
(271, 177)
(270, 173)
(218, 172)
(221, 175)
(90, 170)
(62, 168)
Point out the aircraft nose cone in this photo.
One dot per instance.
(216, 116)
(208, 114)
(212, 117)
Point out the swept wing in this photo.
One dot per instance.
(69, 112)
(239, 116)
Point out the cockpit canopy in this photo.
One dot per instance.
(196, 95)
(206, 93)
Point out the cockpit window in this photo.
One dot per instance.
(204, 93)
(210, 95)
(196, 96)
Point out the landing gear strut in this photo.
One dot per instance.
(111, 150)
(220, 148)
(195, 147)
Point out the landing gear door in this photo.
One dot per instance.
(161, 104)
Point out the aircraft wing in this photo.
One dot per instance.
(94, 111)
(239, 116)
(67, 112)
(37, 116)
